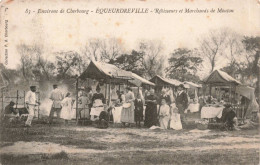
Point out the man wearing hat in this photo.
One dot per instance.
(181, 100)
(56, 97)
(30, 100)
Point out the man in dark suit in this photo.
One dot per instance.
(181, 100)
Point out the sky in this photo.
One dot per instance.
(67, 31)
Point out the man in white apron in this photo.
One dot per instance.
(30, 100)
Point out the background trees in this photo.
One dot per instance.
(222, 48)
(183, 65)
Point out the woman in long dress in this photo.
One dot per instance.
(127, 115)
(66, 111)
(151, 110)
(164, 114)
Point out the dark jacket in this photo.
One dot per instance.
(182, 101)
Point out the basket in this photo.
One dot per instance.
(201, 126)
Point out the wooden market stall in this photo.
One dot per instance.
(111, 76)
(220, 81)
(104, 73)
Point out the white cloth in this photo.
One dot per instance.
(30, 98)
(164, 116)
(175, 122)
(96, 111)
(66, 111)
(211, 112)
(117, 114)
(30, 115)
(56, 97)
(194, 107)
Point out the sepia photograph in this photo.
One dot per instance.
(129, 82)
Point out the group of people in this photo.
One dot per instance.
(164, 110)
(60, 104)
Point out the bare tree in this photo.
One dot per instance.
(212, 46)
(26, 60)
(234, 51)
(91, 50)
(110, 49)
(106, 50)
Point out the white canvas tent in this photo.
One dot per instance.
(246, 91)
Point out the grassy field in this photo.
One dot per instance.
(59, 144)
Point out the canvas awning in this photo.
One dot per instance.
(160, 81)
(139, 81)
(192, 85)
(218, 77)
(246, 91)
(104, 71)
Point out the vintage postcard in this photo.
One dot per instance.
(129, 81)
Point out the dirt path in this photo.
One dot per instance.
(22, 148)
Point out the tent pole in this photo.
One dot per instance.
(230, 97)
(106, 93)
(210, 92)
(109, 92)
(3, 106)
(109, 96)
(77, 97)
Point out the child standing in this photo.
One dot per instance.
(175, 122)
(138, 110)
(66, 111)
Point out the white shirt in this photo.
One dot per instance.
(30, 98)
(56, 97)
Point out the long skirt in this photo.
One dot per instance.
(175, 122)
(117, 114)
(164, 122)
(128, 115)
(66, 113)
(150, 116)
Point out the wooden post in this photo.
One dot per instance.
(77, 97)
(38, 105)
(109, 92)
(106, 93)
(210, 93)
(17, 97)
(230, 97)
(24, 98)
(3, 106)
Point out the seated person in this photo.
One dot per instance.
(103, 120)
(10, 111)
(228, 117)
